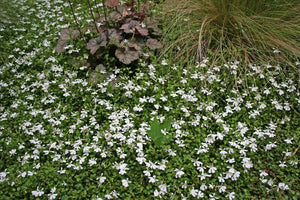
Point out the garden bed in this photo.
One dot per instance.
(210, 131)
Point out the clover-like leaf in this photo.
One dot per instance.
(153, 44)
(126, 55)
(94, 44)
(112, 3)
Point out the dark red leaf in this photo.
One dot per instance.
(112, 3)
(69, 34)
(65, 36)
(137, 45)
(153, 44)
(130, 27)
(142, 31)
(94, 44)
(115, 16)
(126, 55)
(130, 4)
(60, 47)
(114, 35)
(126, 28)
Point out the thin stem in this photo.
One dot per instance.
(106, 20)
(139, 8)
(97, 9)
(75, 18)
(105, 13)
(91, 10)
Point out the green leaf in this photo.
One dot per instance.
(64, 197)
(155, 132)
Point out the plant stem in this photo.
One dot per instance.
(105, 13)
(91, 10)
(97, 9)
(106, 20)
(138, 2)
(75, 18)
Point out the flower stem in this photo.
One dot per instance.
(75, 18)
(91, 10)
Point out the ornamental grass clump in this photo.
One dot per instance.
(229, 29)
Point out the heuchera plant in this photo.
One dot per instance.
(127, 31)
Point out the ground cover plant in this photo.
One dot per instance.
(204, 131)
(255, 31)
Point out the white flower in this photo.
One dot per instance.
(138, 108)
(289, 140)
(184, 185)
(231, 195)
(221, 179)
(270, 146)
(163, 188)
(282, 164)
(53, 190)
(143, 99)
(171, 152)
(3, 176)
(212, 169)
(147, 173)
(122, 167)
(156, 193)
(179, 173)
(282, 186)
(247, 163)
(203, 187)
(52, 196)
(263, 173)
(222, 189)
(200, 194)
(101, 179)
(152, 179)
(92, 162)
(212, 196)
(233, 174)
(267, 91)
(164, 62)
(37, 192)
(194, 192)
(46, 43)
(163, 98)
(125, 182)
